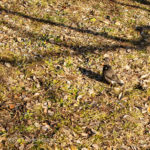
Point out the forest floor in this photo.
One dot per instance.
(51, 60)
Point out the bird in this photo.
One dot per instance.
(110, 76)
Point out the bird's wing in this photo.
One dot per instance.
(115, 78)
(112, 76)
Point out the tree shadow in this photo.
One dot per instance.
(145, 2)
(78, 49)
(82, 30)
(92, 75)
(145, 36)
(133, 6)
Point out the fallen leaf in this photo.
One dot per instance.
(11, 106)
(148, 109)
(73, 147)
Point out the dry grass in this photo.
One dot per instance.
(51, 56)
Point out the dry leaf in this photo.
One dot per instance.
(11, 106)
(73, 147)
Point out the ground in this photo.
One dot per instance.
(52, 95)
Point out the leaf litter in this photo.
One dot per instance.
(51, 90)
